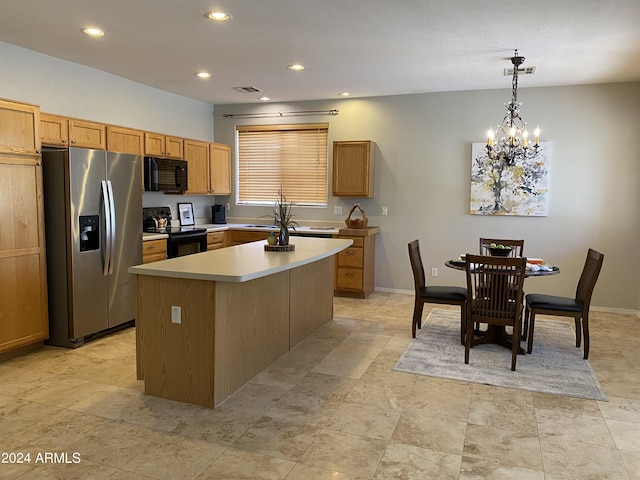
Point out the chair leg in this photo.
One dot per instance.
(515, 345)
(463, 323)
(532, 321)
(585, 332)
(467, 341)
(525, 328)
(578, 331)
(417, 317)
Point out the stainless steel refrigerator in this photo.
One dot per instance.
(93, 226)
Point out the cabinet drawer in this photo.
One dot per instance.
(244, 236)
(357, 241)
(216, 237)
(349, 278)
(351, 257)
(156, 257)
(154, 247)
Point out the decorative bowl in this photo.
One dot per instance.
(499, 252)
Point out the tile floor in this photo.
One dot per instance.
(332, 408)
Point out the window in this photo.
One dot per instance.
(291, 158)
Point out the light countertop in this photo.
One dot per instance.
(245, 262)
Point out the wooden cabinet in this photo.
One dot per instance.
(219, 169)
(19, 128)
(239, 237)
(70, 132)
(197, 156)
(87, 134)
(354, 169)
(125, 140)
(354, 273)
(167, 146)
(24, 319)
(54, 130)
(216, 240)
(154, 250)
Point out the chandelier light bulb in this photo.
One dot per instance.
(490, 137)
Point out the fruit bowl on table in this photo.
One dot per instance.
(499, 252)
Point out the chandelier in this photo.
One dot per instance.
(510, 142)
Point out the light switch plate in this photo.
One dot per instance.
(176, 314)
(337, 210)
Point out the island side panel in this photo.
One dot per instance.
(311, 301)
(252, 329)
(177, 359)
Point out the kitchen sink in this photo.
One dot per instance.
(262, 226)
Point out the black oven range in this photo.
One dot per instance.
(182, 240)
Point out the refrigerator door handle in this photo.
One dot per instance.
(112, 240)
(106, 248)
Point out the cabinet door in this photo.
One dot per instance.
(124, 140)
(23, 282)
(19, 128)
(153, 144)
(197, 156)
(174, 147)
(353, 169)
(54, 130)
(220, 169)
(87, 134)
(154, 251)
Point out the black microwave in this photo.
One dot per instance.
(165, 175)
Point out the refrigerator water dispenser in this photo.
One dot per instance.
(89, 232)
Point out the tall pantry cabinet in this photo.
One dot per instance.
(23, 278)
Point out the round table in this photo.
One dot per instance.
(496, 333)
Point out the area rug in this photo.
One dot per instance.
(555, 366)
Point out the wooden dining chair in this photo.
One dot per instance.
(577, 307)
(433, 294)
(494, 302)
(517, 246)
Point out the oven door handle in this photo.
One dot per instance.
(187, 236)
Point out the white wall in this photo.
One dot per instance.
(73, 90)
(423, 165)
(423, 177)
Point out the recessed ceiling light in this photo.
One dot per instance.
(93, 32)
(264, 99)
(345, 94)
(296, 67)
(218, 16)
(203, 75)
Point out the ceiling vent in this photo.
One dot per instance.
(247, 89)
(521, 71)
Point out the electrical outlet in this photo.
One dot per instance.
(337, 210)
(228, 207)
(385, 211)
(176, 314)
(434, 272)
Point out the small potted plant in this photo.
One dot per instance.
(284, 219)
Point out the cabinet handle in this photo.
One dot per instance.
(63, 141)
(349, 274)
(151, 247)
(73, 142)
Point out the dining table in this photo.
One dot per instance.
(497, 333)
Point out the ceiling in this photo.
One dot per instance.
(365, 47)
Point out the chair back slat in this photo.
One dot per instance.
(416, 265)
(589, 277)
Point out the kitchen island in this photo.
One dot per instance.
(208, 323)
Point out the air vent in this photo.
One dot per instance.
(247, 89)
(521, 71)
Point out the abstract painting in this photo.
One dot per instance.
(521, 188)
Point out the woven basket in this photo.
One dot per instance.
(357, 222)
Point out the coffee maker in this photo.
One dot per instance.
(218, 214)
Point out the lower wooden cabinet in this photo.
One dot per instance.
(24, 318)
(354, 274)
(216, 240)
(154, 250)
(239, 237)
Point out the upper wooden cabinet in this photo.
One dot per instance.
(354, 168)
(158, 145)
(197, 156)
(19, 128)
(125, 140)
(219, 169)
(70, 132)
(54, 130)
